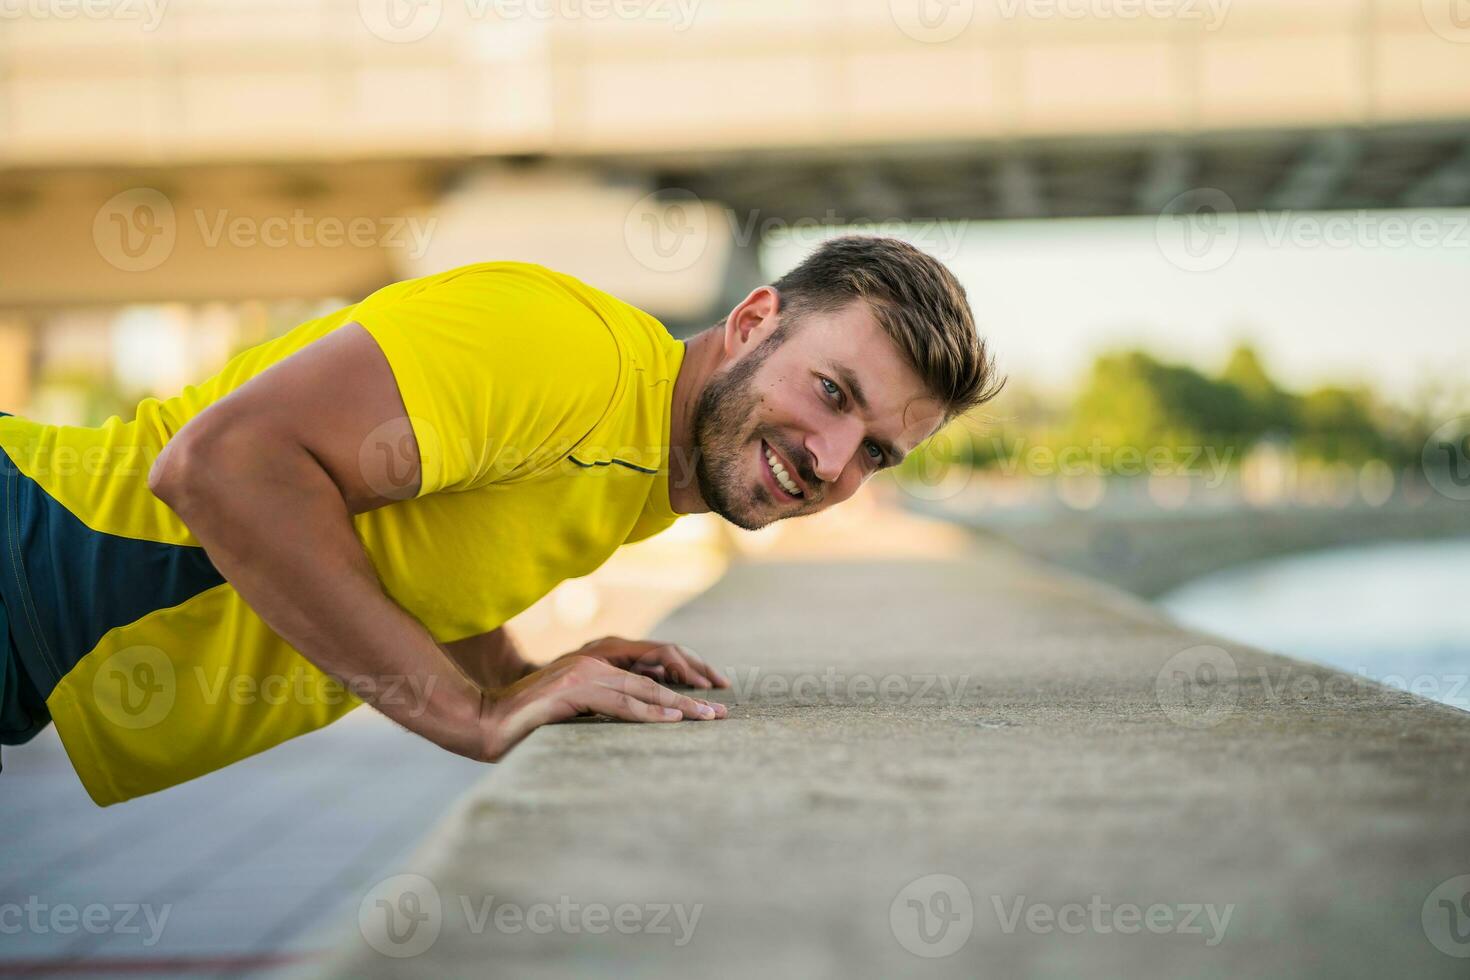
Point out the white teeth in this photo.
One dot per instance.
(782, 477)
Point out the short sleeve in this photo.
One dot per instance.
(501, 369)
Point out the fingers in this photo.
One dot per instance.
(646, 689)
(683, 666)
(583, 684)
(618, 704)
(670, 661)
(656, 671)
(705, 670)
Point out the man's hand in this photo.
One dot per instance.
(577, 685)
(665, 662)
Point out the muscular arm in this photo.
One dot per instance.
(269, 478)
(492, 660)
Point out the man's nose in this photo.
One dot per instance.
(831, 449)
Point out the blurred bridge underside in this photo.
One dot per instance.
(538, 134)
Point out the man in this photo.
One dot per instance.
(353, 511)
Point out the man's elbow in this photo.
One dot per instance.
(189, 464)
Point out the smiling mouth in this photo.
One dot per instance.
(779, 474)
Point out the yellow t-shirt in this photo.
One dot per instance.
(541, 407)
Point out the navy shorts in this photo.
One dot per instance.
(22, 709)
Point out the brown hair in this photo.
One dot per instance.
(919, 304)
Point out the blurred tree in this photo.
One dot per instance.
(1131, 399)
(1338, 424)
(1271, 406)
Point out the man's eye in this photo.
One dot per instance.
(830, 387)
(875, 453)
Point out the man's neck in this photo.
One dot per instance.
(701, 356)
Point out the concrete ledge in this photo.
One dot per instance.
(1097, 759)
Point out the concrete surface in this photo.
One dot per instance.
(228, 875)
(1095, 793)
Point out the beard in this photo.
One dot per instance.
(724, 422)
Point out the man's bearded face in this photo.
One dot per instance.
(725, 422)
(779, 432)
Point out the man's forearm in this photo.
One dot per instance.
(492, 660)
(288, 546)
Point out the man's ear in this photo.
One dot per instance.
(751, 321)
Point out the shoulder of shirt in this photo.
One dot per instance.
(645, 341)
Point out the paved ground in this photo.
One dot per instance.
(1095, 793)
(225, 876)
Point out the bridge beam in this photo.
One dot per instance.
(1321, 169)
(1169, 173)
(1447, 185)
